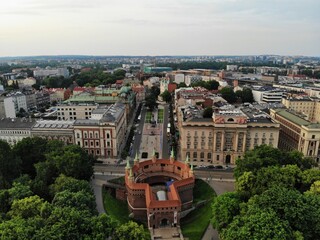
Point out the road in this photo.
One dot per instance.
(212, 174)
(165, 143)
(137, 136)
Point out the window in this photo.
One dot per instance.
(209, 155)
(202, 155)
(85, 143)
(195, 154)
(218, 157)
(313, 136)
(78, 135)
(78, 143)
(97, 143)
(108, 135)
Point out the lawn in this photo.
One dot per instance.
(195, 223)
(160, 115)
(115, 208)
(148, 116)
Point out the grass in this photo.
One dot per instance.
(148, 117)
(115, 208)
(202, 191)
(160, 115)
(119, 180)
(195, 223)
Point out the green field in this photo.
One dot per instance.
(195, 223)
(160, 115)
(115, 208)
(148, 117)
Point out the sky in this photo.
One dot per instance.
(159, 27)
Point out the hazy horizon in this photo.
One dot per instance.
(159, 28)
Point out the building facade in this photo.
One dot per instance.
(225, 137)
(296, 133)
(102, 134)
(310, 107)
(54, 130)
(75, 111)
(14, 130)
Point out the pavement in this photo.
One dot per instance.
(220, 187)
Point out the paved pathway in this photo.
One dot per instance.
(219, 187)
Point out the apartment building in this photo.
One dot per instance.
(225, 137)
(102, 134)
(296, 133)
(75, 111)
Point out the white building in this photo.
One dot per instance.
(232, 67)
(265, 95)
(14, 130)
(179, 78)
(42, 73)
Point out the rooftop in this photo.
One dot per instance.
(16, 123)
(292, 117)
(54, 124)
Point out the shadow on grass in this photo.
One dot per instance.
(194, 225)
(115, 208)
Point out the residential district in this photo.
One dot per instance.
(166, 123)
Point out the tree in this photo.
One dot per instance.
(63, 183)
(73, 162)
(315, 188)
(30, 151)
(131, 231)
(228, 94)
(181, 85)
(258, 224)
(224, 208)
(27, 207)
(151, 102)
(300, 211)
(247, 95)
(79, 200)
(166, 96)
(9, 165)
(207, 113)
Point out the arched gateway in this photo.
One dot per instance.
(158, 190)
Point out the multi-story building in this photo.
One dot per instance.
(124, 95)
(54, 130)
(310, 107)
(102, 134)
(13, 103)
(296, 133)
(75, 111)
(226, 136)
(42, 73)
(42, 98)
(267, 94)
(14, 130)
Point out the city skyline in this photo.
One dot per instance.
(216, 27)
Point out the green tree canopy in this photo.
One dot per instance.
(166, 96)
(228, 94)
(207, 113)
(9, 165)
